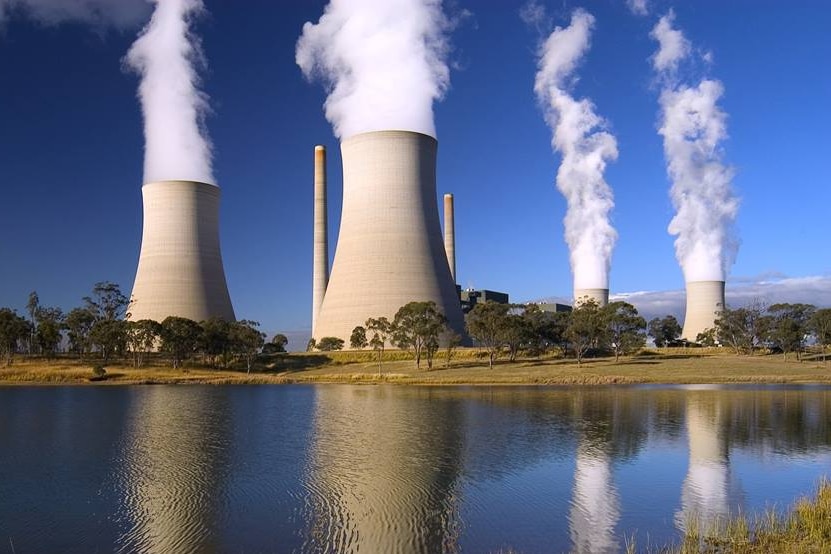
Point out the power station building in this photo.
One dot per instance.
(180, 270)
(390, 249)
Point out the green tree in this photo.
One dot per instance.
(664, 330)
(180, 338)
(358, 337)
(486, 323)
(13, 330)
(624, 327)
(79, 324)
(109, 336)
(820, 326)
(417, 326)
(790, 326)
(327, 344)
(215, 341)
(107, 302)
(32, 306)
(380, 330)
(451, 340)
(142, 338)
(707, 337)
(310, 346)
(586, 328)
(247, 340)
(517, 331)
(743, 329)
(49, 324)
(279, 341)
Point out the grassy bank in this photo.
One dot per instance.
(805, 528)
(468, 366)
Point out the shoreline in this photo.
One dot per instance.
(678, 367)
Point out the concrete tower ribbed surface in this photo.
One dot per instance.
(705, 299)
(600, 296)
(450, 234)
(320, 264)
(389, 248)
(180, 269)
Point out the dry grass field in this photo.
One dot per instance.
(468, 366)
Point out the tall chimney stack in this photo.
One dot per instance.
(450, 234)
(320, 269)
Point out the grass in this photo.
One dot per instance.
(806, 528)
(469, 366)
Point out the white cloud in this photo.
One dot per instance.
(121, 14)
(638, 7)
(673, 46)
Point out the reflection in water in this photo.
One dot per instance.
(595, 507)
(383, 467)
(706, 492)
(173, 458)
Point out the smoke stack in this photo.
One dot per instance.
(180, 269)
(389, 248)
(320, 268)
(600, 296)
(705, 301)
(450, 234)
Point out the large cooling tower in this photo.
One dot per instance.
(705, 299)
(389, 249)
(180, 269)
(600, 296)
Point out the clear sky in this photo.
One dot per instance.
(71, 149)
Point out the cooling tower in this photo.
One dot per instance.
(450, 234)
(320, 269)
(600, 296)
(389, 249)
(705, 300)
(180, 269)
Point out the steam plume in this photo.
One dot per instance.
(166, 55)
(693, 127)
(382, 61)
(117, 13)
(580, 136)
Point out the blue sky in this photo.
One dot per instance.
(71, 150)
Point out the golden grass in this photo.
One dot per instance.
(469, 366)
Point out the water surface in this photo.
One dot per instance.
(338, 468)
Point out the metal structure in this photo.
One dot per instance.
(705, 300)
(389, 249)
(180, 270)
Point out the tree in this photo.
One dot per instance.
(707, 337)
(109, 336)
(180, 338)
(280, 341)
(486, 324)
(380, 329)
(820, 326)
(326, 344)
(13, 330)
(310, 346)
(789, 326)
(358, 337)
(516, 332)
(624, 327)
(451, 340)
(246, 340)
(417, 326)
(142, 337)
(215, 341)
(664, 330)
(79, 324)
(107, 301)
(742, 328)
(586, 328)
(32, 306)
(49, 324)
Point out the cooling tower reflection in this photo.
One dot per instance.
(383, 471)
(173, 460)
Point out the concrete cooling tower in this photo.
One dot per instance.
(705, 300)
(600, 296)
(390, 249)
(180, 269)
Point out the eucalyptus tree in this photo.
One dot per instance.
(820, 326)
(13, 330)
(417, 326)
(586, 328)
(664, 330)
(790, 326)
(486, 324)
(625, 328)
(380, 330)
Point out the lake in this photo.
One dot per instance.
(340, 468)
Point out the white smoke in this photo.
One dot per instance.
(383, 61)
(693, 128)
(580, 136)
(121, 14)
(166, 56)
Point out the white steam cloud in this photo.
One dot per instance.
(693, 128)
(638, 7)
(121, 14)
(382, 61)
(580, 136)
(166, 56)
